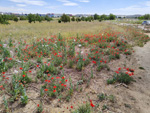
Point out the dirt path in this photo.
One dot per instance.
(142, 55)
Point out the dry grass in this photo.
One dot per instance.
(24, 30)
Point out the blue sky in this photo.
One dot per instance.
(123, 7)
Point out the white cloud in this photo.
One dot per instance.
(68, 3)
(83, 0)
(52, 7)
(30, 2)
(21, 5)
(11, 9)
(147, 3)
(142, 8)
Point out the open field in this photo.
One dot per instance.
(100, 70)
(23, 29)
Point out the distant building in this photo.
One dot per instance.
(128, 16)
(83, 15)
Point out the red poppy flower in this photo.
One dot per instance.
(37, 65)
(10, 58)
(130, 74)
(71, 107)
(45, 89)
(119, 69)
(66, 80)
(23, 75)
(52, 78)
(92, 104)
(1, 86)
(54, 87)
(48, 74)
(21, 68)
(54, 91)
(94, 62)
(63, 77)
(3, 73)
(83, 59)
(117, 72)
(30, 71)
(57, 77)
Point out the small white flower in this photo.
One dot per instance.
(79, 45)
(81, 51)
(44, 45)
(15, 71)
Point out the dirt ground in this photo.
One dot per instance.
(142, 55)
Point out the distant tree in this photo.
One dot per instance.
(86, 19)
(78, 19)
(92, 18)
(23, 18)
(3, 19)
(96, 16)
(147, 16)
(103, 17)
(16, 19)
(112, 17)
(83, 18)
(38, 18)
(141, 18)
(47, 18)
(73, 18)
(64, 18)
(30, 18)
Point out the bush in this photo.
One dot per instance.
(65, 18)
(83, 109)
(3, 19)
(16, 19)
(121, 78)
(111, 81)
(59, 21)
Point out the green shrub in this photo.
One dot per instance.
(70, 63)
(111, 81)
(83, 109)
(101, 96)
(123, 78)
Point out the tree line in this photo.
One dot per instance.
(66, 18)
(30, 17)
(145, 17)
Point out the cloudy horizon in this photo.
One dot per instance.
(117, 7)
